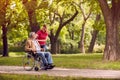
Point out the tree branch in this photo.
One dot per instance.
(60, 17)
(71, 19)
(83, 13)
(105, 8)
(89, 14)
(51, 18)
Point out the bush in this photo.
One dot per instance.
(16, 49)
(99, 48)
(70, 51)
(1, 50)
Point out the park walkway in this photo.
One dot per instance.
(89, 73)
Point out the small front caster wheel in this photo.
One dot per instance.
(36, 68)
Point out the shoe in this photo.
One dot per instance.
(44, 68)
(50, 66)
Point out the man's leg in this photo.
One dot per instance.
(43, 58)
(48, 57)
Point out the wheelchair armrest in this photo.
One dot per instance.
(31, 53)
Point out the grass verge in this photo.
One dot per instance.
(43, 77)
(81, 61)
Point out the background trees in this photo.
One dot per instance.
(12, 18)
(3, 23)
(25, 16)
(71, 23)
(63, 15)
(57, 13)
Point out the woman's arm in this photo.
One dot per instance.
(41, 40)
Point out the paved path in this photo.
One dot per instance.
(89, 73)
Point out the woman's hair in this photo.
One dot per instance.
(31, 34)
(44, 26)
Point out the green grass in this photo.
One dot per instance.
(81, 61)
(42, 77)
(85, 61)
(16, 54)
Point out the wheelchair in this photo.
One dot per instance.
(32, 61)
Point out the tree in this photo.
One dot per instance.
(3, 22)
(63, 19)
(11, 18)
(94, 35)
(31, 6)
(111, 13)
(85, 18)
(71, 31)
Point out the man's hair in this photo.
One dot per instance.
(31, 34)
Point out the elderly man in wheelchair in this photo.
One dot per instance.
(32, 47)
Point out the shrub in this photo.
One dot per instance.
(16, 49)
(99, 48)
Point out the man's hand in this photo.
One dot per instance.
(42, 49)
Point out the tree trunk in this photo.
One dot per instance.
(116, 11)
(54, 48)
(94, 35)
(81, 43)
(54, 38)
(72, 37)
(53, 45)
(110, 52)
(112, 20)
(58, 46)
(34, 26)
(33, 21)
(92, 43)
(5, 42)
(71, 34)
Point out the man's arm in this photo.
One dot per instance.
(27, 46)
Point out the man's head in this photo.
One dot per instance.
(32, 35)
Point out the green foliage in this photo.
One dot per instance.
(17, 28)
(63, 34)
(17, 37)
(3, 6)
(18, 21)
(100, 26)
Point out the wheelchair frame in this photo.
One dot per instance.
(32, 61)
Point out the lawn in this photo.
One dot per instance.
(81, 61)
(42, 77)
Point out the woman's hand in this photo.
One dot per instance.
(41, 40)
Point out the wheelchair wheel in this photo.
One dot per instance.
(36, 68)
(39, 63)
(28, 62)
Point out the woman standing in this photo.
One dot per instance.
(42, 37)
